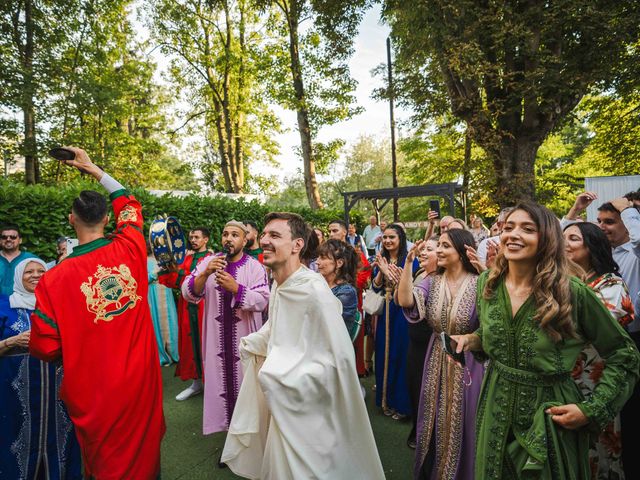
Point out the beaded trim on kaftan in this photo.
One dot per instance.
(444, 377)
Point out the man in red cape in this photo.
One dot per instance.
(92, 311)
(189, 315)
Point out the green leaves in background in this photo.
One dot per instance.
(42, 212)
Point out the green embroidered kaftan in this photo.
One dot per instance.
(528, 373)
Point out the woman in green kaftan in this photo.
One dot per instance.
(532, 420)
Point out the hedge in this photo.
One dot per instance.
(42, 212)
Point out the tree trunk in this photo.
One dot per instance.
(311, 184)
(29, 147)
(466, 167)
(514, 165)
(226, 110)
(239, 123)
(223, 151)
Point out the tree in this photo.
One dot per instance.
(511, 70)
(217, 54)
(107, 102)
(445, 154)
(29, 42)
(90, 85)
(320, 87)
(615, 119)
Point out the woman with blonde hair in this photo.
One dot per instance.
(479, 231)
(535, 320)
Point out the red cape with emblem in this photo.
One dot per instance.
(189, 339)
(92, 310)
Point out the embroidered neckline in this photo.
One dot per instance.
(89, 247)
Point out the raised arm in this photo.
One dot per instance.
(432, 225)
(631, 219)
(404, 293)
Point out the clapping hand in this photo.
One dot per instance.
(382, 264)
(472, 255)
(395, 272)
(415, 251)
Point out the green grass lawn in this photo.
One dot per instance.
(189, 455)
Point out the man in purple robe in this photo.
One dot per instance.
(236, 290)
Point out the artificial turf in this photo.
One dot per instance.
(189, 455)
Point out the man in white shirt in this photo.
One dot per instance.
(377, 241)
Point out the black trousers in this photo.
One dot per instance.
(630, 421)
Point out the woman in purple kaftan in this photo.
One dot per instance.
(450, 390)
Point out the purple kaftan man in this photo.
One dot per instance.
(236, 293)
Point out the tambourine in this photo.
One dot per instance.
(167, 240)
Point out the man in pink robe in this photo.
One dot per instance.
(236, 290)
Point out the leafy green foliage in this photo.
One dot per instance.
(616, 122)
(512, 71)
(92, 85)
(218, 59)
(42, 212)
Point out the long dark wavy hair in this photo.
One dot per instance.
(551, 286)
(402, 248)
(599, 248)
(337, 250)
(459, 238)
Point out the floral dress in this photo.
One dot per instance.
(605, 454)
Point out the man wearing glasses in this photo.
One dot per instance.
(10, 256)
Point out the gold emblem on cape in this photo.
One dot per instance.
(110, 292)
(128, 214)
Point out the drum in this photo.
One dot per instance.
(167, 240)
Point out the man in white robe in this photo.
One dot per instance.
(300, 412)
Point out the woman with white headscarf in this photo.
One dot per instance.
(37, 439)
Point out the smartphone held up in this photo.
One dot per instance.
(62, 154)
(434, 206)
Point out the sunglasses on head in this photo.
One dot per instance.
(9, 237)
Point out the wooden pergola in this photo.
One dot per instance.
(447, 191)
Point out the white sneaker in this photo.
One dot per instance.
(194, 389)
